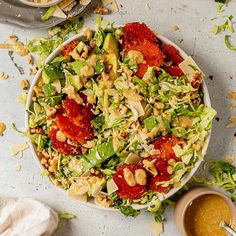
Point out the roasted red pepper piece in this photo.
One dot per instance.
(69, 48)
(174, 71)
(151, 53)
(139, 37)
(73, 132)
(81, 115)
(165, 145)
(126, 191)
(136, 31)
(63, 147)
(74, 121)
(171, 54)
(162, 175)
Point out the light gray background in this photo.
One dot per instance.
(195, 37)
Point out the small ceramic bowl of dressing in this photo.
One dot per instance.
(200, 211)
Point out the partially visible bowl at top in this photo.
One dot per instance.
(40, 3)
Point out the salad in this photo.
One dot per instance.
(118, 116)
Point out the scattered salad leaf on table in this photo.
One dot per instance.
(65, 215)
(228, 25)
(221, 1)
(223, 175)
(3, 127)
(220, 8)
(128, 211)
(48, 13)
(228, 44)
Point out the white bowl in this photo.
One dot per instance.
(36, 4)
(186, 177)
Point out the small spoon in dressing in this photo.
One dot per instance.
(227, 228)
(18, 47)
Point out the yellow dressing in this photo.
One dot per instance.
(18, 47)
(204, 214)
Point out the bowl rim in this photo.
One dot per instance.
(185, 178)
(193, 194)
(43, 5)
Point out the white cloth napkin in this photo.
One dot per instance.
(26, 217)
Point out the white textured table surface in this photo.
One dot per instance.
(194, 36)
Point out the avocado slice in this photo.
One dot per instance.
(52, 72)
(75, 81)
(112, 59)
(110, 44)
(46, 77)
(77, 65)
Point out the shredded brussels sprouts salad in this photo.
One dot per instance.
(118, 116)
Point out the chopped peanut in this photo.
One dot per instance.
(2, 128)
(101, 10)
(88, 33)
(13, 38)
(30, 59)
(232, 95)
(159, 105)
(24, 84)
(33, 70)
(3, 76)
(102, 200)
(37, 130)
